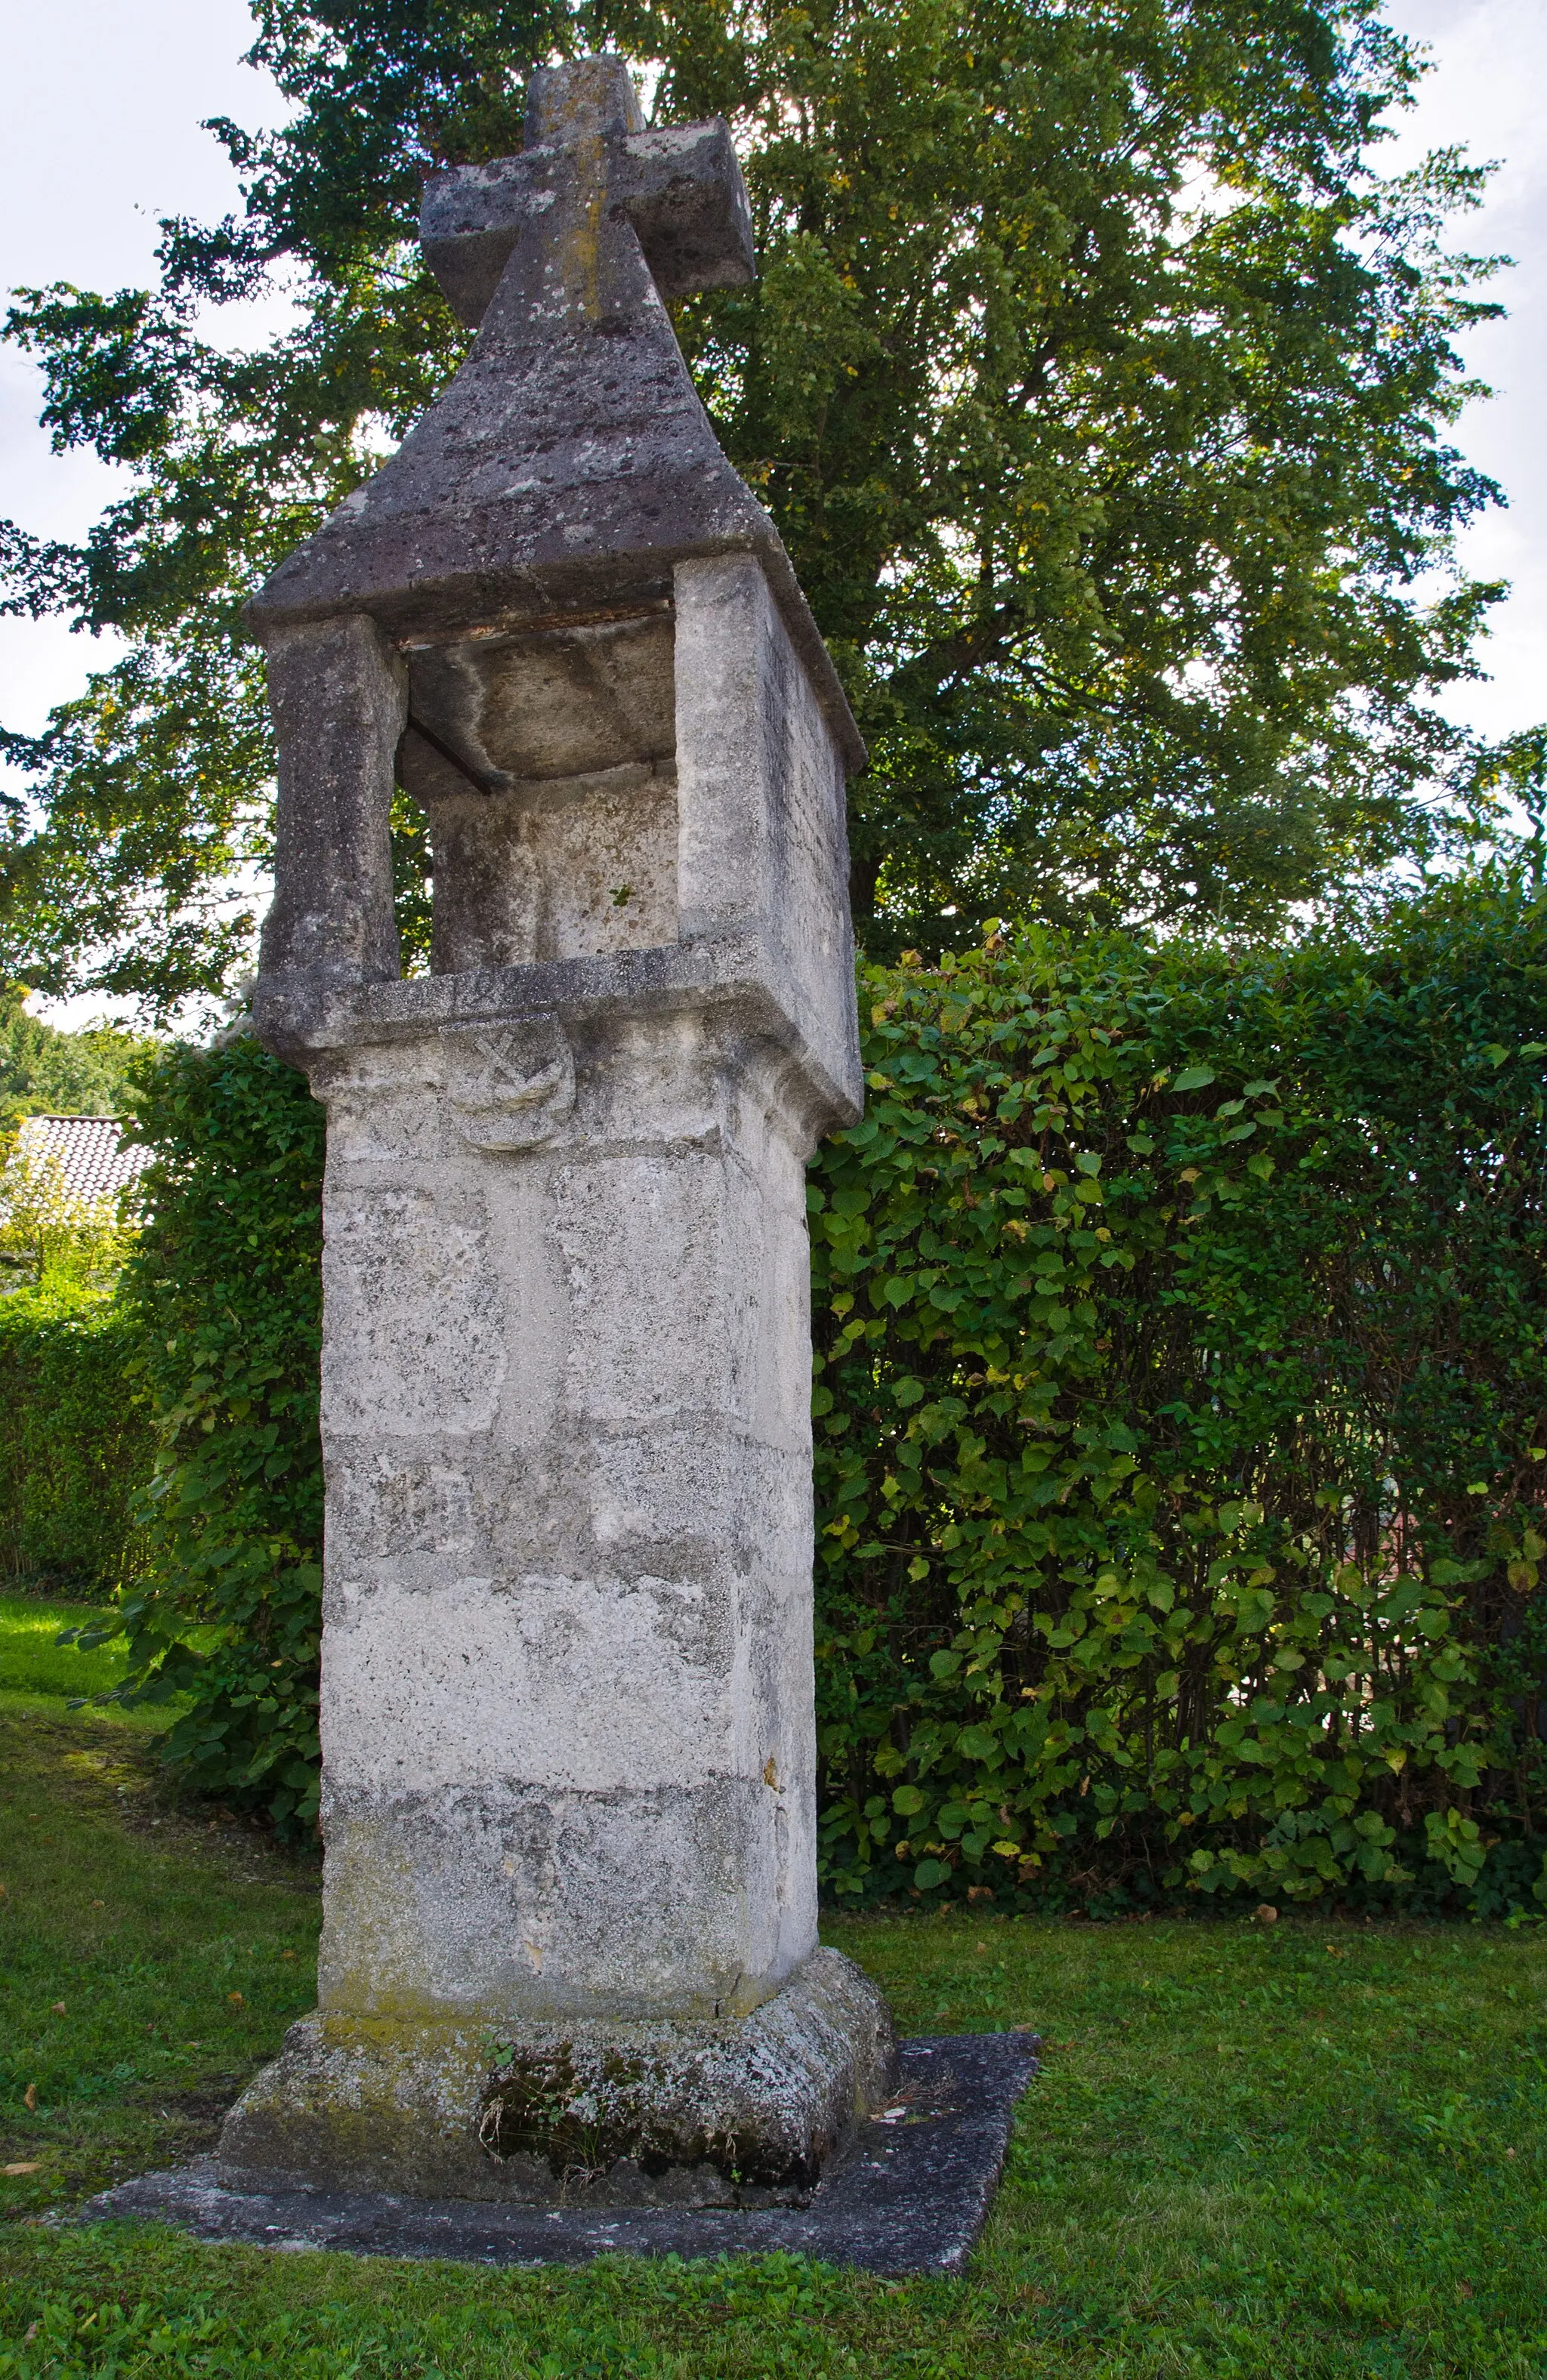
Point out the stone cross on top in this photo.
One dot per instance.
(589, 174)
(570, 460)
(565, 474)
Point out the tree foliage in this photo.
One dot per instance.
(46, 1071)
(52, 1236)
(74, 1448)
(1182, 1418)
(1098, 386)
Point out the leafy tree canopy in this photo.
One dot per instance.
(45, 1071)
(1100, 388)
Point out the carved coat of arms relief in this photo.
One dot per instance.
(511, 1085)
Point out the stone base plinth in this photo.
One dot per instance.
(908, 2195)
(745, 2112)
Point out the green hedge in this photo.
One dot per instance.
(1181, 1408)
(1182, 1421)
(74, 1449)
(224, 1294)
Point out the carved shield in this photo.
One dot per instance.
(511, 1085)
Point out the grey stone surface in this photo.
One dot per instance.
(338, 694)
(568, 1741)
(740, 2111)
(909, 2195)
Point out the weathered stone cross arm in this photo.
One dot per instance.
(680, 188)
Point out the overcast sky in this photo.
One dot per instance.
(100, 135)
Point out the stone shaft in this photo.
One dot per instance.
(567, 1699)
(566, 1708)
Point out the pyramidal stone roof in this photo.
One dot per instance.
(89, 1150)
(570, 462)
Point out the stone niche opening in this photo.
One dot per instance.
(544, 759)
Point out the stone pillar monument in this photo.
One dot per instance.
(570, 1942)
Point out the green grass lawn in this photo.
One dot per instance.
(33, 1662)
(1310, 2150)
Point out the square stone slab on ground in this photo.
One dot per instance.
(910, 2196)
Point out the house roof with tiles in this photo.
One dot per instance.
(88, 1152)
